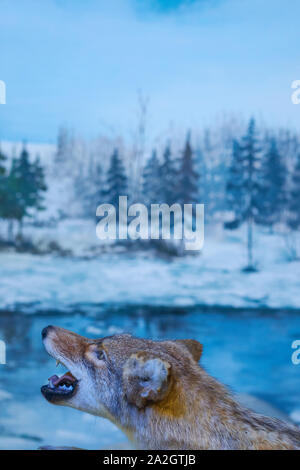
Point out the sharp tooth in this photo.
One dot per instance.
(57, 363)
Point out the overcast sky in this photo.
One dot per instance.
(81, 62)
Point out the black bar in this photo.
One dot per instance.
(138, 458)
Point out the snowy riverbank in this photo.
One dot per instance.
(212, 278)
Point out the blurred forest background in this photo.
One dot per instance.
(244, 174)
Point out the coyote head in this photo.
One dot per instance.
(156, 392)
(120, 377)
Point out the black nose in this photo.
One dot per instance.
(45, 331)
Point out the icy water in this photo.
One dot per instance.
(249, 350)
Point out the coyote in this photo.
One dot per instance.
(157, 394)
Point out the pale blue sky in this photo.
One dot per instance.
(81, 62)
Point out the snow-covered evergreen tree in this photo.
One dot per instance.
(24, 188)
(24, 178)
(168, 177)
(245, 183)
(2, 163)
(39, 181)
(188, 178)
(294, 198)
(116, 181)
(152, 185)
(273, 196)
(235, 186)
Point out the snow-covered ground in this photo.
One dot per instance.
(213, 277)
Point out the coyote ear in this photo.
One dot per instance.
(145, 379)
(193, 346)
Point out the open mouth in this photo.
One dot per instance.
(60, 387)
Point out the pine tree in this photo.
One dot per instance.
(245, 184)
(39, 184)
(168, 177)
(294, 198)
(152, 190)
(188, 177)
(273, 196)
(235, 186)
(187, 186)
(26, 182)
(25, 185)
(22, 177)
(2, 163)
(116, 182)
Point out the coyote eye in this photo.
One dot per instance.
(100, 355)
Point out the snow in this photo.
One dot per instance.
(213, 277)
(32, 424)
